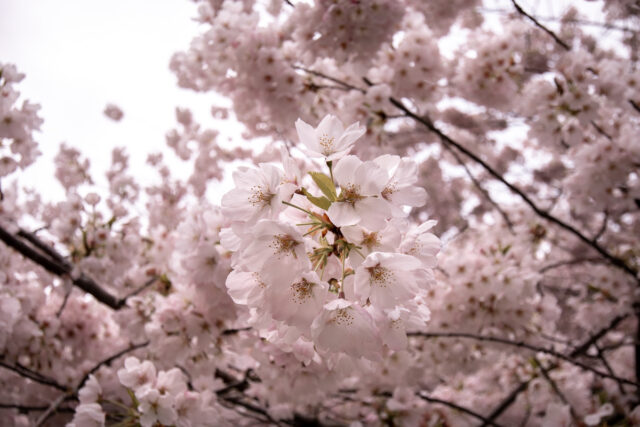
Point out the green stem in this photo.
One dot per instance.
(297, 207)
(330, 164)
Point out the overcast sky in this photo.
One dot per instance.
(78, 55)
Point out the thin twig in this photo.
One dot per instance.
(34, 376)
(595, 337)
(53, 408)
(135, 292)
(508, 401)
(601, 131)
(481, 188)
(426, 121)
(569, 262)
(30, 408)
(541, 26)
(333, 79)
(452, 405)
(525, 345)
(603, 227)
(108, 360)
(584, 22)
(554, 386)
(608, 367)
(235, 331)
(67, 294)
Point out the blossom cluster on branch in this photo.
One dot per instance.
(464, 253)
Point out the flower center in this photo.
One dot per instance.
(342, 317)
(351, 194)
(326, 142)
(260, 197)
(302, 291)
(380, 275)
(389, 190)
(370, 240)
(284, 244)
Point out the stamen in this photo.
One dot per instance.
(351, 194)
(260, 197)
(326, 142)
(380, 276)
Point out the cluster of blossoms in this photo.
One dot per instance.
(345, 29)
(18, 148)
(156, 398)
(312, 296)
(329, 262)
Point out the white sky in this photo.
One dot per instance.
(78, 55)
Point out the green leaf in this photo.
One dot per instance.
(325, 184)
(321, 202)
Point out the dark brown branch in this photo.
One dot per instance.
(67, 294)
(583, 22)
(608, 367)
(108, 360)
(508, 401)
(54, 406)
(524, 345)
(545, 373)
(426, 121)
(541, 26)
(135, 292)
(33, 376)
(636, 308)
(52, 409)
(480, 188)
(601, 131)
(251, 407)
(62, 270)
(46, 256)
(47, 249)
(595, 337)
(603, 227)
(29, 408)
(452, 405)
(235, 331)
(511, 397)
(569, 262)
(333, 79)
(634, 105)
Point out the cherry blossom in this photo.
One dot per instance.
(329, 140)
(430, 217)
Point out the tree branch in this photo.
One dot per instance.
(482, 190)
(555, 388)
(508, 401)
(53, 407)
(452, 405)
(108, 360)
(29, 408)
(595, 337)
(426, 121)
(525, 345)
(45, 256)
(539, 25)
(34, 376)
(333, 79)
